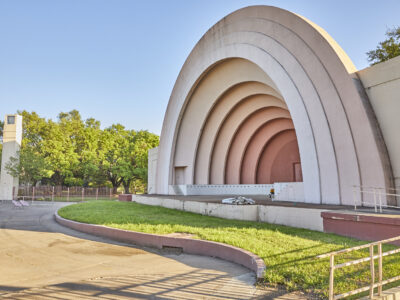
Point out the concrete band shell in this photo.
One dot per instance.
(304, 66)
(240, 141)
(229, 130)
(257, 144)
(240, 100)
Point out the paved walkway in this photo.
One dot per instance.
(40, 259)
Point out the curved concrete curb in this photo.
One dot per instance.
(191, 246)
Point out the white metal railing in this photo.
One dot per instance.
(371, 259)
(377, 195)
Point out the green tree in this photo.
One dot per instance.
(143, 141)
(126, 156)
(59, 150)
(387, 49)
(1, 128)
(91, 154)
(30, 167)
(133, 161)
(71, 151)
(114, 142)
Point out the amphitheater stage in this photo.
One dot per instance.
(363, 223)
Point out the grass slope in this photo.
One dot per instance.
(289, 253)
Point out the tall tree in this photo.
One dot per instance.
(71, 151)
(1, 128)
(91, 153)
(126, 157)
(60, 150)
(143, 141)
(132, 166)
(114, 143)
(387, 49)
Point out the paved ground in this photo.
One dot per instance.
(40, 259)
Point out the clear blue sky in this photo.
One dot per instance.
(117, 60)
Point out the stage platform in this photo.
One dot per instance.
(259, 199)
(363, 223)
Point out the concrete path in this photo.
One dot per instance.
(40, 259)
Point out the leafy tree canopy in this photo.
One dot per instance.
(1, 128)
(387, 49)
(71, 151)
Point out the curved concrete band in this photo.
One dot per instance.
(190, 246)
(264, 48)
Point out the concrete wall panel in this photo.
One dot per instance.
(228, 189)
(382, 84)
(292, 216)
(152, 170)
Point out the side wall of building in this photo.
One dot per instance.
(382, 85)
(152, 170)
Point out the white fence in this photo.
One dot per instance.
(62, 193)
(221, 189)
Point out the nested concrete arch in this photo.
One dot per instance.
(309, 71)
(257, 143)
(261, 95)
(321, 99)
(241, 138)
(294, 101)
(203, 99)
(275, 163)
(227, 130)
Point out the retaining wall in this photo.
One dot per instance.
(308, 218)
(363, 226)
(187, 245)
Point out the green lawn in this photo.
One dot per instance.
(289, 253)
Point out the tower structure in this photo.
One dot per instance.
(12, 137)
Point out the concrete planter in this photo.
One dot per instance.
(125, 197)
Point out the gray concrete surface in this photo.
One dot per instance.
(41, 259)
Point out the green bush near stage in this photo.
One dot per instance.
(289, 253)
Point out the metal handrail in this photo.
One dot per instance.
(371, 258)
(377, 192)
